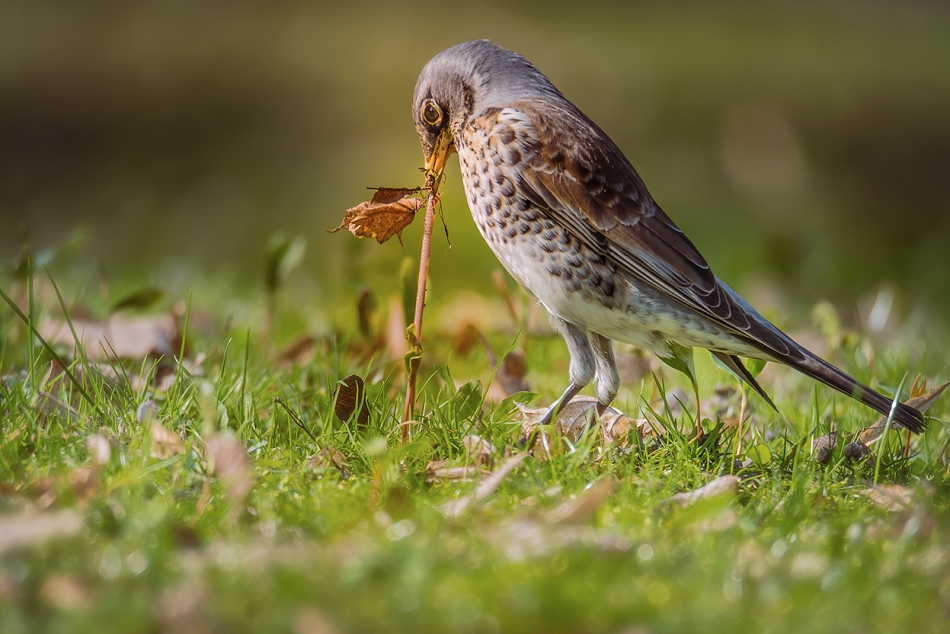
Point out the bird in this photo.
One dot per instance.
(570, 219)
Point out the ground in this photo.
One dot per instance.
(225, 494)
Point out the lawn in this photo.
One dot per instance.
(226, 494)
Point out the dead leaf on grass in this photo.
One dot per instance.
(454, 508)
(119, 336)
(65, 593)
(228, 459)
(329, 457)
(386, 215)
(727, 485)
(890, 497)
(165, 443)
(573, 420)
(824, 446)
(919, 398)
(436, 470)
(99, 449)
(478, 450)
(29, 529)
(350, 394)
(582, 509)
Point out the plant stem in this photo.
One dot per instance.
(432, 184)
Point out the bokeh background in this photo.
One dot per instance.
(802, 145)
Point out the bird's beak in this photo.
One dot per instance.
(443, 147)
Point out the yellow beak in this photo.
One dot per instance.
(435, 162)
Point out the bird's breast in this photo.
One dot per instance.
(542, 256)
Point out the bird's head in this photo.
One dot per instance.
(463, 81)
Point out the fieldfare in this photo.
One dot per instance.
(570, 219)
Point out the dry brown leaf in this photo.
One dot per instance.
(26, 530)
(823, 446)
(99, 449)
(351, 393)
(183, 608)
(329, 457)
(920, 401)
(120, 336)
(310, 620)
(436, 471)
(855, 451)
(580, 510)
(389, 212)
(454, 508)
(573, 419)
(84, 482)
(723, 485)
(228, 459)
(891, 497)
(165, 443)
(65, 593)
(478, 450)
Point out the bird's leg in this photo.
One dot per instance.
(582, 364)
(565, 398)
(608, 378)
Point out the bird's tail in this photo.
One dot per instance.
(820, 370)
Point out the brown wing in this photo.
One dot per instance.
(574, 167)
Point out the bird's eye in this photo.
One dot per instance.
(431, 113)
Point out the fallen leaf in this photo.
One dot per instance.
(890, 497)
(389, 212)
(65, 593)
(855, 451)
(120, 336)
(921, 402)
(184, 607)
(228, 459)
(454, 508)
(573, 420)
(165, 443)
(26, 530)
(329, 457)
(99, 449)
(824, 446)
(580, 510)
(84, 482)
(310, 620)
(478, 449)
(350, 394)
(727, 485)
(436, 471)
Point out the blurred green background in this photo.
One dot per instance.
(803, 143)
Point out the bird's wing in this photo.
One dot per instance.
(578, 176)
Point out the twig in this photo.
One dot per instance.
(432, 184)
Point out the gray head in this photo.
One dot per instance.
(463, 81)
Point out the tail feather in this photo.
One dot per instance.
(733, 362)
(904, 415)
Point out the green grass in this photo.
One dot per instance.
(162, 542)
